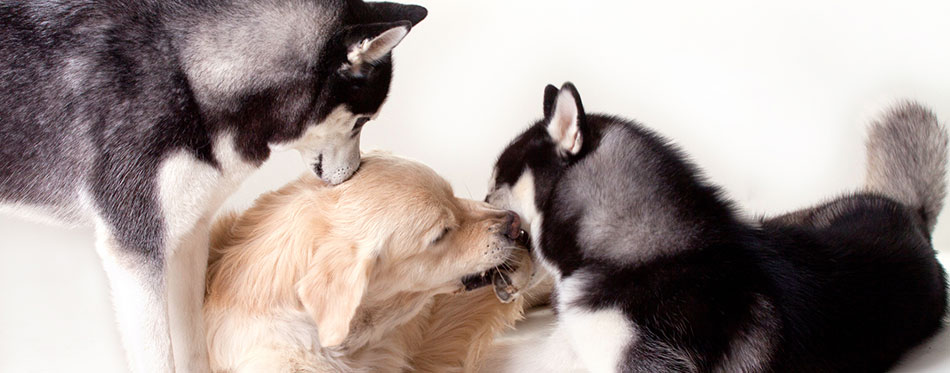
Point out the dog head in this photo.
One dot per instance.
(354, 93)
(392, 236)
(297, 75)
(527, 171)
(396, 229)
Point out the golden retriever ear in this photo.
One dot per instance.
(332, 290)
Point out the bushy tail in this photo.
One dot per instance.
(907, 159)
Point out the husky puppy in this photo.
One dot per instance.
(141, 117)
(656, 271)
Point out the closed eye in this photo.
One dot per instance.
(360, 122)
(441, 235)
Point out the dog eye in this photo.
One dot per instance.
(360, 122)
(441, 235)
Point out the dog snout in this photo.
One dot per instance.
(339, 176)
(513, 225)
(331, 173)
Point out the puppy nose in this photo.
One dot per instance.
(513, 222)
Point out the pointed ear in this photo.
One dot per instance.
(370, 43)
(550, 93)
(392, 12)
(332, 289)
(566, 120)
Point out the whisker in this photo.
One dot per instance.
(503, 278)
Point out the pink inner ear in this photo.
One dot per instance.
(376, 48)
(566, 111)
(575, 142)
(564, 130)
(563, 127)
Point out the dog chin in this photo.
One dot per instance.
(509, 278)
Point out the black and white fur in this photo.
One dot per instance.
(656, 270)
(142, 116)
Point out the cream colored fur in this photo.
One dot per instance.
(363, 276)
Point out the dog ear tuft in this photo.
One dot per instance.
(566, 120)
(370, 43)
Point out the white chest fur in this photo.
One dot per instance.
(190, 190)
(598, 337)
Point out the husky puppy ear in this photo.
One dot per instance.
(550, 93)
(367, 44)
(392, 12)
(565, 118)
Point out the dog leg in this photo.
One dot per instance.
(189, 193)
(137, 280)
(186, 286)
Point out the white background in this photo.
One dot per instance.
(771, 99)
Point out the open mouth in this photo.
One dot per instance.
(498, 275)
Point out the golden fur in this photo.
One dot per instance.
(363, 276)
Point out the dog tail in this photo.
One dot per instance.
(907, 159)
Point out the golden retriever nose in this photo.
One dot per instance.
(513, 224)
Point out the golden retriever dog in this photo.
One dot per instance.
(383, 273)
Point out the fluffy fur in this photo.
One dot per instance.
(656, 270)
(366, 276)
(141, 117)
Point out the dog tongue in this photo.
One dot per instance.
(504, 291)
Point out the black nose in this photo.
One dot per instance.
(513, 224)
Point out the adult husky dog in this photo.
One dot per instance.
(142, 116)
(657, 272)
